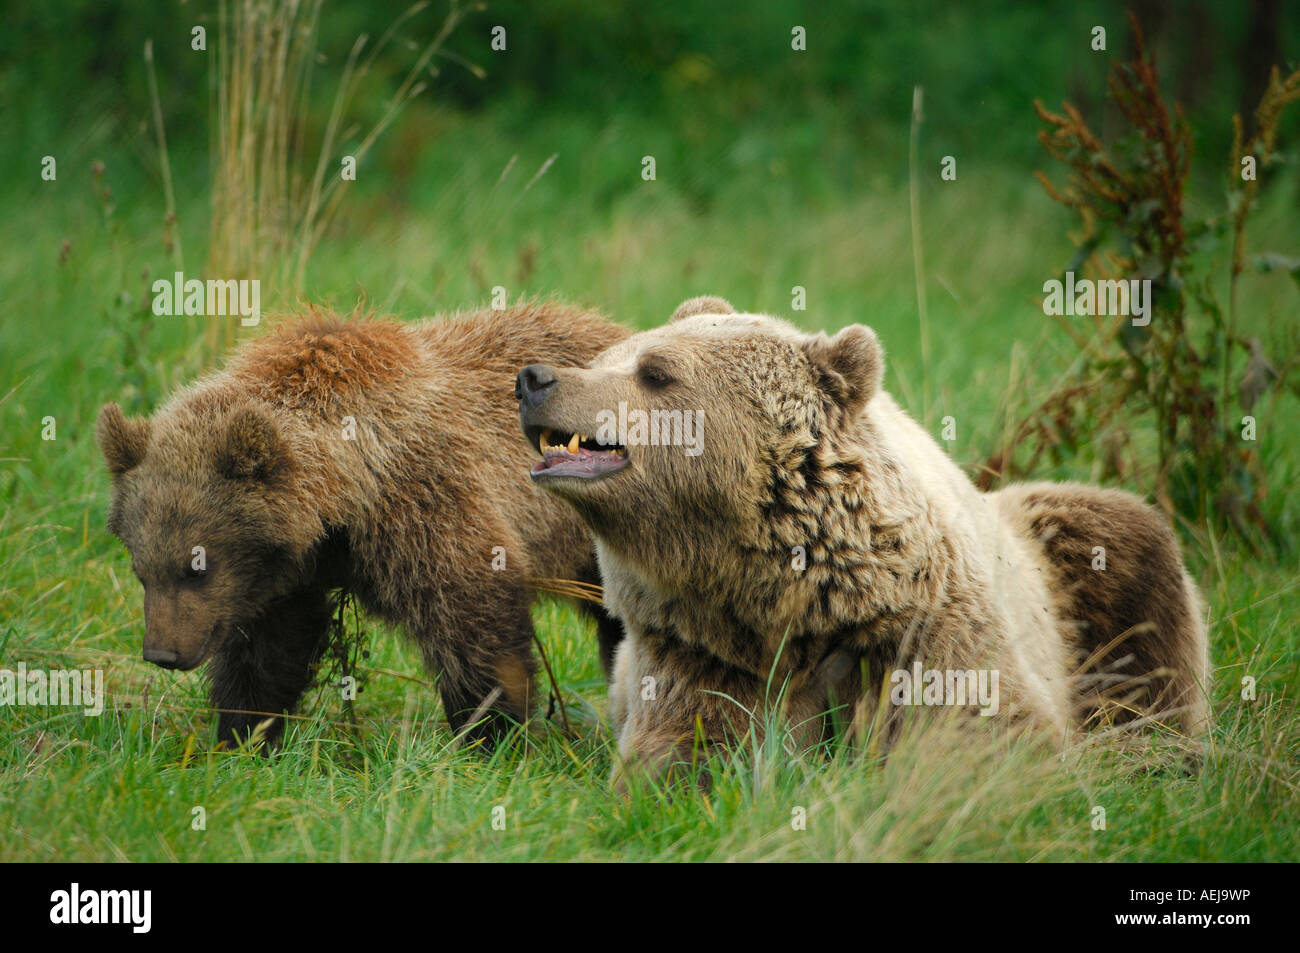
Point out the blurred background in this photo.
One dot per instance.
(501, 151)
(522, 168)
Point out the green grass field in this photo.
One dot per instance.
(126, 785)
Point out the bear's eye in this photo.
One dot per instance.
(654, 376)
(191, 573)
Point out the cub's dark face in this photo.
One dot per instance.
(200, 521)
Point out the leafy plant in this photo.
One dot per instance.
(1173, 375)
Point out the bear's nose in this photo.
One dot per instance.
(164, 657)
(534, 383)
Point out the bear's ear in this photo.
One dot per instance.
(848, 367)
(122, 441)
(252, 448)
(705, 304)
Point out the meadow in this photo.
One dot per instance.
(454, 203)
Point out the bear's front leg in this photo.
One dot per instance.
(261, 669)
(673, 706)
(481, 648)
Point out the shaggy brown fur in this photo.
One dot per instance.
(1114, 617)
(806, 460)
(255, 465)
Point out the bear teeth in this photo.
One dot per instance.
(545, 446)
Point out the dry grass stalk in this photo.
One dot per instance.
(268, 215)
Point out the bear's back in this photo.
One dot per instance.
(490, 341)
(323, 361)
(320, 363)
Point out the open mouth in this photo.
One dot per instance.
(574, 455)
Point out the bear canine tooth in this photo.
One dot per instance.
(573, 444)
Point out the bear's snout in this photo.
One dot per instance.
(179, 629)
(181, 657)
(164, 657)
(534, 384)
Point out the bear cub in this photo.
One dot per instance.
(370, 456)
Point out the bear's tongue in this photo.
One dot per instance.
(573, 459)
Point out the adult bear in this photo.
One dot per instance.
(368, 455)
(767, 519)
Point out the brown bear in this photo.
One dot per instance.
(370, 456)
(769, 522)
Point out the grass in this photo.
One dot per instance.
(439, 235)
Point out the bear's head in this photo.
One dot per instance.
(202, 498)
(694, 421)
